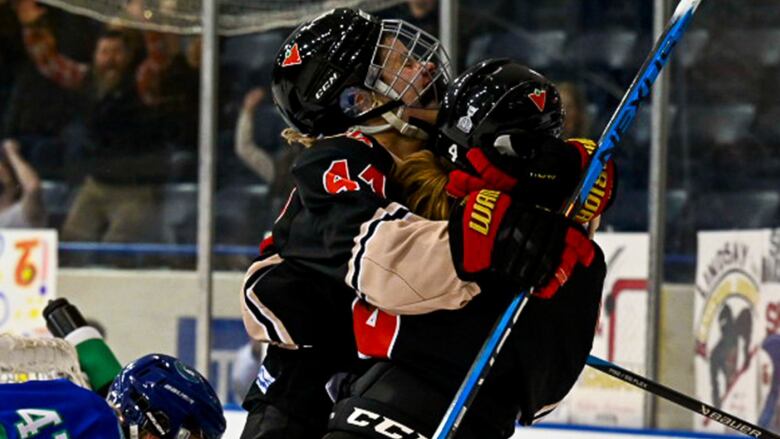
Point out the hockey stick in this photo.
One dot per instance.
(680, 399)
(613, 133)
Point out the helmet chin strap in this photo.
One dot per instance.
(403, 127)
(393, 119)
(396, 123)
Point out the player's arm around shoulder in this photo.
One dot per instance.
(394, 259)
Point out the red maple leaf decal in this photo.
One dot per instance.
(539, 98)
(292, 57)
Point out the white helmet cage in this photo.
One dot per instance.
(409, 65)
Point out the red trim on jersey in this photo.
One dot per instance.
(286, 205)
(360, 137)
(375, 330)
(266, 243)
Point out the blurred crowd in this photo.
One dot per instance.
(99, 122)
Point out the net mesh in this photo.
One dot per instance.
(235, 16)
(29, 358)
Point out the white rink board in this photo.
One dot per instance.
(236, 419)
(598, 399)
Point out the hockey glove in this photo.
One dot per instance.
(500, 166)
(537, 170)
(542, 165)
(602, 193)
(486, 175)
(551, 170)
(495, 242)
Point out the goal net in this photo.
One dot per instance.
(235, 16)
(28, 358)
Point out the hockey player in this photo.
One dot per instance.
(343, 75)
(154, 397)
(55, 409)
(159, 397)
(344, 231)
(500, 123)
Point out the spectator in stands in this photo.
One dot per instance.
(125, 159)
(576, 123)
(255, 157)
(21, 204)
(11, 51)
(421, 13)
(39, 112)
(168, 84)
(272, 164)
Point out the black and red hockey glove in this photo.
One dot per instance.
(535, 169)
(486, 175)
(603, 191)
(500, 166)
(496, 242)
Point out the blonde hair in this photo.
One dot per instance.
(423, 179)
(292, 136)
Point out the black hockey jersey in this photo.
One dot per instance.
(538, 366)
(344, 222)
(343, 232)
(343, 235)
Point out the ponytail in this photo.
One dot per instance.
(423, 179)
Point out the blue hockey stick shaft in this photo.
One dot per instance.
(680, 399)
(613, 133)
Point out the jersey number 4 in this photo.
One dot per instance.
(35, 420)
(337, 178)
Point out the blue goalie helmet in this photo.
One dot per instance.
(161, 395)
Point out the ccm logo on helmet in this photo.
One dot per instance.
(482, 212)
(381, 424)
(326, 85)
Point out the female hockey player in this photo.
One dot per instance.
(499, 124)
(360, 93)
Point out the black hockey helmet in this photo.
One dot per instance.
(496, 97)
(325, 72)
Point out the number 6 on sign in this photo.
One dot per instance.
(25, 269)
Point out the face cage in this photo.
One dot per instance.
(413, 46)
